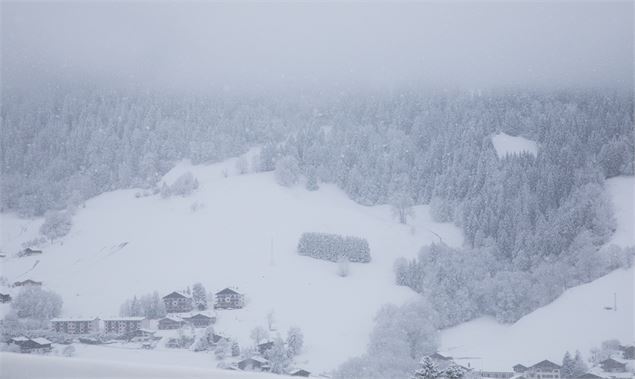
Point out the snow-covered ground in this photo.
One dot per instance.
(244, 234)
(575, 321)
(28, 366)
(509, 145)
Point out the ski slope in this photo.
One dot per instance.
(504, 144)
(576, 320)
(244, 235)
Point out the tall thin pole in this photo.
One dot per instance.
(615, 301)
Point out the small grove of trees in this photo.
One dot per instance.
(56, 224)
(37, 303)
(429, 370)
(400, 337)
(199, 296)
(331, 247)
(463, 283)
(573, 367)
(282, 352)
(278, 356)
(182, 186)
(148, 305)
(287, 171)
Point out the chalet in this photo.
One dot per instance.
(264, 347)
(123, 325)
(299, 372)
(229, 299)
(519, 369)
(5, 298)
(200, 320)
(27, 283)
(75, 325)
(171, 322)
(32, 345)
(29, 252)
(611, 365)
(543, 370)
(254, 364)
(628, 352)
(177, 302)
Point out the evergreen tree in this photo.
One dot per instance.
(199, 296)
(568, 363)
(427, 369)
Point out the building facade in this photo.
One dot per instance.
(171, 322)
(543, 370)
(200, 320)
(124, 325)
(229, 299)
(177, 302)
(75, 326)
(32, 345)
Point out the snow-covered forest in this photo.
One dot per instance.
(406, 155)
(524, 217)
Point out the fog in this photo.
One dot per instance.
(265, 45)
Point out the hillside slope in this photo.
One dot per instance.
(576, 320)
(244, 235)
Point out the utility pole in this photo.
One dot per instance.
(615, 301)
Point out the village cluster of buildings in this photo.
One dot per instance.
(180, 312)
(179, 308)
(610, 368)
(258, 363)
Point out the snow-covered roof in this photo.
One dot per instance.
(19, 339)
(207, 313)
(41, 341)
(136, 318)
(65, 319)
(199, 314)
(172, 318)
(227, 291)
(259, 359)
(294, 371)
(175, 295)
(546, 364)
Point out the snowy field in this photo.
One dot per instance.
(509, 145)
(245, 235)
(22, 366)
(576, 320)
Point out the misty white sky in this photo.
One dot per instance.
(251, 44)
